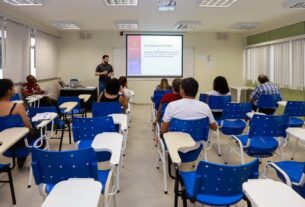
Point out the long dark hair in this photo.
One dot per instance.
(5, 86)
(220, 84)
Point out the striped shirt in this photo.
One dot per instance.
(266, 88)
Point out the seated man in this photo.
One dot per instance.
(188, 108)
(265, 87)
(167, 98)
(31, 88)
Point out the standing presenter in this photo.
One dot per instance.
(105, 72)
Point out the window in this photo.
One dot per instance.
(33, 53)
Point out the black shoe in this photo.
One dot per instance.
(20, 162)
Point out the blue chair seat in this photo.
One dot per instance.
(189, 182)
(192, 155)
(295, 122)
(4, 166)
(294, 170)
(262, 146)
(233, 127)
(102, 177)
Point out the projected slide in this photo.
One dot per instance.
(154, 55)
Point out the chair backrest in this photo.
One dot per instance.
(203, 97)
(88, 128)
(64, 99)
(223, 180)
(51, 167)
(268, 125)
(10, 122)
(163, 111)
(295, 108)
(198, 129)
(157, 99)
(218, 102)
(236, 110)
(267, 101)
(161, 92)
(15, 97)
(102, 109)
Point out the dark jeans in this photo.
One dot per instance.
(102, 86)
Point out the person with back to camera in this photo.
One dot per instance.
(163, 85)
(124, 85)
(220, 87)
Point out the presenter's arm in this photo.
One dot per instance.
(100, 73)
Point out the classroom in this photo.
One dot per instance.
(155, 103)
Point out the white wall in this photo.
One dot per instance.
(79, 59)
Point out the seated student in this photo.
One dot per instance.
(8, 108)
(220, 87)
(187, 108)
(124, 85)
(167, 98)
(163, 85)
(112, 93)
(31, 88)
(265, 87)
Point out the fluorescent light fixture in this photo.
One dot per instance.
(244, 26)
(167, 5)
(215, 3)
(127, 25)
(294, 4)
(66, 25)
(24, 2)
(187, 25)
(121, 2)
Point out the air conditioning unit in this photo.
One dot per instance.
(244, 26)
(294, 4)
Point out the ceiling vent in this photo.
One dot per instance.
(215, 3)
(187, 25)
(244, 26)
(127, 25)
(66, 25)
(121, 2)
(294, 4)
(24, 2)
(167, 5)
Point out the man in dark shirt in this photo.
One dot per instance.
(104, 71)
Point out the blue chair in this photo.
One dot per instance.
(217, 104)
(5, 168)
(295, 109)
(261, 141)
(215, 184)
(203, 97)
(50, 168)
(156, 98)
(290, 172)
(15, 97)
(58, 123)
(267, 103)
(102, 109)
(199, 131)
(85, 130)
(10, 122)
(233, 120)
(161, 92)
(77, 110)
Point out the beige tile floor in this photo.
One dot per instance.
(141, 182)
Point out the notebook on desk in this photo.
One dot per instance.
(42, 116)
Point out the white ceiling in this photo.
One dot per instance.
(93, 15)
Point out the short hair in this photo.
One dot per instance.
(113, 86)
(190, 87)
(176, 84)
(5, 86)
(220, 84)
(105, 56)
(262, 79)
(123, 81)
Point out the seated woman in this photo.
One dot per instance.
(163, 85)
(112, 93)
(8, 108)
(220, 87)
(124, 85)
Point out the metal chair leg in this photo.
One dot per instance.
(12, 186)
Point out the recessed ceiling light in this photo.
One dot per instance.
(187, 25)
(215, 3)
(167, 5)
(294, 4)
(244, 26)
(24, 2)
(121, 2)
(66, 25)
(127, 25)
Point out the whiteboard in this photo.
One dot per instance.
(119, 63)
